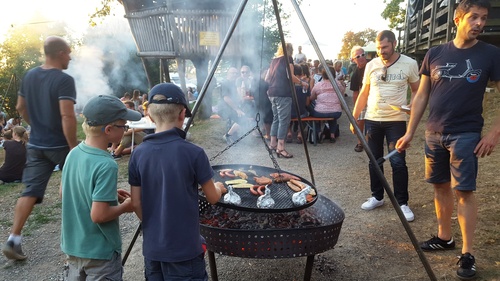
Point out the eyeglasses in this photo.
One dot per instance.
(383, 77)
(243, 72)
(358, 56)
(124, 127)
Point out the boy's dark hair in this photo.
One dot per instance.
(297, 70)
(305, 69)
(129, 103)
(7, 135)
(465, 5)
(386, 34)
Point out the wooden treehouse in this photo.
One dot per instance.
(430, 23)
(181, 30)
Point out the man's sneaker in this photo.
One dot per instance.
(436, 243)
(466, 267)
(372, 203)
(13, 252)
(56, 168)
(407, 212)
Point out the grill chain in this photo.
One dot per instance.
(269, 150)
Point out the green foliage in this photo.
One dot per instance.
(20, 51)
(352, 39)
(394, 12)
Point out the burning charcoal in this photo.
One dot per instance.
(299, 198)
(232, 197)
(265, 201)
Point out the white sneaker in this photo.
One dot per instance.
(407, 212)
(372, 203)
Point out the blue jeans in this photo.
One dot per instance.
(282, 114)
(375, 133)
(332, 124)
(450, 157)
(193, 270)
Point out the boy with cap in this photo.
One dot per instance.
(164, 174)
(91, 204)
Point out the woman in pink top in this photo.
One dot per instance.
(327, 104)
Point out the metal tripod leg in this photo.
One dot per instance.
(129, 249)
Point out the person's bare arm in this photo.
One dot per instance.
(135, 195)
(102, 212)
(414, 89)
(490, 140)
(68, 118)
(212, 191)
(417, 110)
(360, 103)
(22, 109)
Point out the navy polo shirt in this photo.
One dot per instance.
(169, 169)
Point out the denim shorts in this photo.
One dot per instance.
(451, 158)
(38, 169)
(193, 270)
(94, 270)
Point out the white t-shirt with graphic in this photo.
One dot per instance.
(392, 91)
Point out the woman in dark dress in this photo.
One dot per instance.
(15, 155)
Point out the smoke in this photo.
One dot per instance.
(106, 62)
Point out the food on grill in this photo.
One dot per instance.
(265, 201)
(240, 174)
(257, 189)
(298, 183)
(299, 198)
(229, 174)
(263, 180)
(232, 197)
(222, 173)
(238, 181)
(242, 185)
(294, 187)
(283, 177)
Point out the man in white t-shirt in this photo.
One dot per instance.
(385, 83)
(300, 57)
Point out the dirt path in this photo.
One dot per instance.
(372, 245)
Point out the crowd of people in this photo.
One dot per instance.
(243, 95)
(172, 245)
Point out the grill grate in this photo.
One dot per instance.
(280, 192)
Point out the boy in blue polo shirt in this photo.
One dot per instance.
(164, 174)
(90, 234)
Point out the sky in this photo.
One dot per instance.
(328, 20)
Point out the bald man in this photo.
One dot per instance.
(46, 101)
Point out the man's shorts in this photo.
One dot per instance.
(93, 270)
(451, 158)
(39, 167)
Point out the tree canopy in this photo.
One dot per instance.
(394, 12)
(352, 39)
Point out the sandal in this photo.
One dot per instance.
(299, 140)
(273, 148)
(280, 154)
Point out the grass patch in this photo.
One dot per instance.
(42, 215)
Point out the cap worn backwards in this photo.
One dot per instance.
(173, 95)
(104, 109)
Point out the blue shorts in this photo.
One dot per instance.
(193, 270)
(39, 167)
(451, 158)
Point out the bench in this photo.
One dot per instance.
(309, 122)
